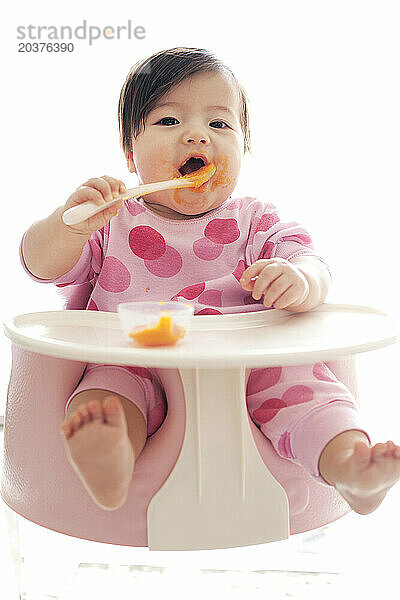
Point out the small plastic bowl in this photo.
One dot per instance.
(155, 323)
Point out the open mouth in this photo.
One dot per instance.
(191, 165)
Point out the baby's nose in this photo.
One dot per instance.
(197, 140)
(196, 137)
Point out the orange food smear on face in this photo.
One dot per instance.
(201, 176)
(165, 333)
(221, 178)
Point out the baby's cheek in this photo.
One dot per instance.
(153, 165)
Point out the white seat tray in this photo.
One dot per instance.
(263, 338)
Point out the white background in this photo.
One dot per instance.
(324, 91)
(323, 82)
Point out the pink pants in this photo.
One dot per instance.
(298, 408)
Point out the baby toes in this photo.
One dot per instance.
(389, 448)
(76, 420)
(379, 451)
(70, 425)
(84, 414)
(95, 410)
(66, 429)
(394, 450)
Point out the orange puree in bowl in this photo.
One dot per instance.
(165, 333)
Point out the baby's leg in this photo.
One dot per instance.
(103, 435)
(362, 474)
(312, 419)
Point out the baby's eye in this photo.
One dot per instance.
(219, 124)
(167, 121)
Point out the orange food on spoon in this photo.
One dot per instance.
(201, 176)
(165, 333)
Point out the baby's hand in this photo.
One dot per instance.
(281, 282)
(100, 190)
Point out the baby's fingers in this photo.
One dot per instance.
(270, 278)
(101, 185)
(117, 187)
(272, 290)
(251, 272)
(289, 297)
(286, 295)
(122, 186)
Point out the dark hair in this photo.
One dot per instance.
(151, 78)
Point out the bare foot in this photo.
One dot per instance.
(98, 447)
(367, 475)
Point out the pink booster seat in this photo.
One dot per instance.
(39, 483)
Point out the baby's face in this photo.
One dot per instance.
(198, 118)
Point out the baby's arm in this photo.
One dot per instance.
(50, 247)
(297, 285)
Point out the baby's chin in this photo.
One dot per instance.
(196, 200)
(186, 201)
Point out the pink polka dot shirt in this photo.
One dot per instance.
(140, 255)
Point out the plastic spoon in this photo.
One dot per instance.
(81, 212)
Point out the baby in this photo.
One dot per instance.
(179, 110)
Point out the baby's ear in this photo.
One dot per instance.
(131, 165)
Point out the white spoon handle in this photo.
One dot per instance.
(83, 211)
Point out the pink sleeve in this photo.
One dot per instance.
(77, 285)
(270, 237)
